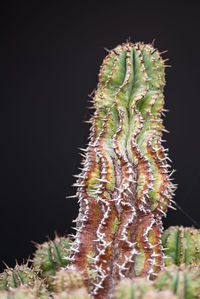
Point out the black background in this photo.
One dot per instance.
(50, 56)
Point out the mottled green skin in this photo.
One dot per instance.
(50, 257)
(131, 80)
(183, 281)
(181, 245)
(133, 289)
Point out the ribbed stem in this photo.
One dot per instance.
(124, 188)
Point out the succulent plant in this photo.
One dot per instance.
(22, 275)
(136, 288)
(77, 294)
(50, 257)
(124, 188)
(160, 295)
(183, 281)
(67, 281)
(18, 293)
(181, 245)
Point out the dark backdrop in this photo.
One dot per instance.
(50, 57)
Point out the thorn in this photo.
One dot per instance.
(173, 208)
(153, 42)
(88, 121)
(164, 130)
(163, 52)
(106, 50)
(71, 196)
(82, 149)
(5, 265)
(165, 65)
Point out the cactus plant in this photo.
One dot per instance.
(50, 257)
(183, 281)
(19, 293)
(67, 281)
(182, 245)
(160, 295)
(124, 188)
(22, 275)
(77, 294)
(137, 288)
(68, 285)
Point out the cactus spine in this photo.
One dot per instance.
(124, 188)
(182, 245)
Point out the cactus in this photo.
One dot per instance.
(69, 285)
(50, 257)
(183, 281)
(160, 295)
(77, 294)
(182, 245)
(19, 293)
(137, 288)
(67, 281)
(22, 275)
(124, 188)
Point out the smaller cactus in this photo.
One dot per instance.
(22, 275)
(50, 257)
(183, 281)
(67, 281)
(78, 294)
(69, 285)
(136, 288)
(160, 295)
(18, 293)
(181, 245)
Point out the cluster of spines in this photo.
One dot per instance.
(124, 188)
(181, 245)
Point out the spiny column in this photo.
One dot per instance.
(124, 188)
